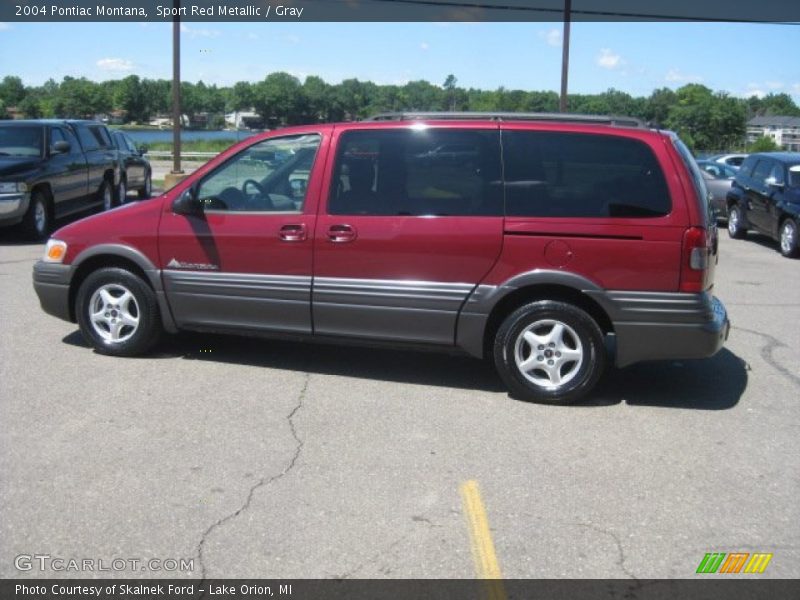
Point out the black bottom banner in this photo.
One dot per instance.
(405, 589)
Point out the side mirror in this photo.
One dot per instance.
(142, 148)
(774, 183)
(188, 204)
(60, 147)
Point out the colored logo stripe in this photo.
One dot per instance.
(713, 562)
(758, 563)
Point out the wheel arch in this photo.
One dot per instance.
(124, 257)
(542, 291)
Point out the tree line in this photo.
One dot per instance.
(704, 118)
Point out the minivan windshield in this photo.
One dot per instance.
(20, 141)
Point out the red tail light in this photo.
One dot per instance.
(695, 257)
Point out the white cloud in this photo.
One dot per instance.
(194, 33)
(252, 36)
(608, 59)
(676, 76)
(774, 85)
(115, 64)
(424, 46)
(4, 26)
(552, 37)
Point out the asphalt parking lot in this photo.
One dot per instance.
(289, 460)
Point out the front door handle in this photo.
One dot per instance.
(293, 233)
(341, 233)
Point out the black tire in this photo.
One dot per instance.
(147, 189)
(130, 340)
(37, 220)
(581, 338)
(105, 195)
(122, 191)
(788, 238)
(737, 229)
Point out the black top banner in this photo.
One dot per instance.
(764, 11)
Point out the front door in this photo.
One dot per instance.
(413, 221)
(245, 264)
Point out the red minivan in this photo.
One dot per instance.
(552, 243)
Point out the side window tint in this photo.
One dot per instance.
(417, 172)
(746, 170)
(271, 176)
(74, 145)
(101, 136)
(776, 174)
(88, 140)
(762, 170)
(56, 136)
(581, 175)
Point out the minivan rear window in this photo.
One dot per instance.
(550, 174)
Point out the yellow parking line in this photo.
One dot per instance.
(486, 565)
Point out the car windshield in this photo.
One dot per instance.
(20, 141)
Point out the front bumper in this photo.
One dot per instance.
(13, 207)
(51, 283)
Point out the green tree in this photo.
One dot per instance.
(707, 121)
(12, 91)
(451, 91)
(763, 144)
(279, 99)
(128, 95)
(241, 97)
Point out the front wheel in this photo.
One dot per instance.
(790, 245)
(549, 351)
(36, 222)
(736, 227)
(118, 312)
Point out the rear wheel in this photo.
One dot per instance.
(736, 227)
(147, 190)
(549, 352)
(106, 195)
(122, 191)
(118, 312)
(790, 247)
(36, 222)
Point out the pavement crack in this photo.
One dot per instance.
(768, 349)
(620, 549)
(261, 483)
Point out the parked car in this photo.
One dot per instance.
(718, 178)
(539, 249)
(732, 160)
(51, 169)
(765, 196)
(136, 174)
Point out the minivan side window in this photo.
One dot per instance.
(550, 174)
(417, 172)
(270, 176)
(88, 140)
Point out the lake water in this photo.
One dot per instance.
(149, 136)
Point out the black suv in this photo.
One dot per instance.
(53, 168)
(765, 196)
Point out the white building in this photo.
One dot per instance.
(784, 130)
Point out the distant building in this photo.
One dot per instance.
(784, 130)
(244, 119)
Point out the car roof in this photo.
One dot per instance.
(786, 157)
(42, 122)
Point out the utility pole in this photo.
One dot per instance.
(176, 91)
(562, 104)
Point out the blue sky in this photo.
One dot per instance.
(742, 59)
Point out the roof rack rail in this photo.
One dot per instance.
(510, 116)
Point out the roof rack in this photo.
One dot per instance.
(619, 121)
